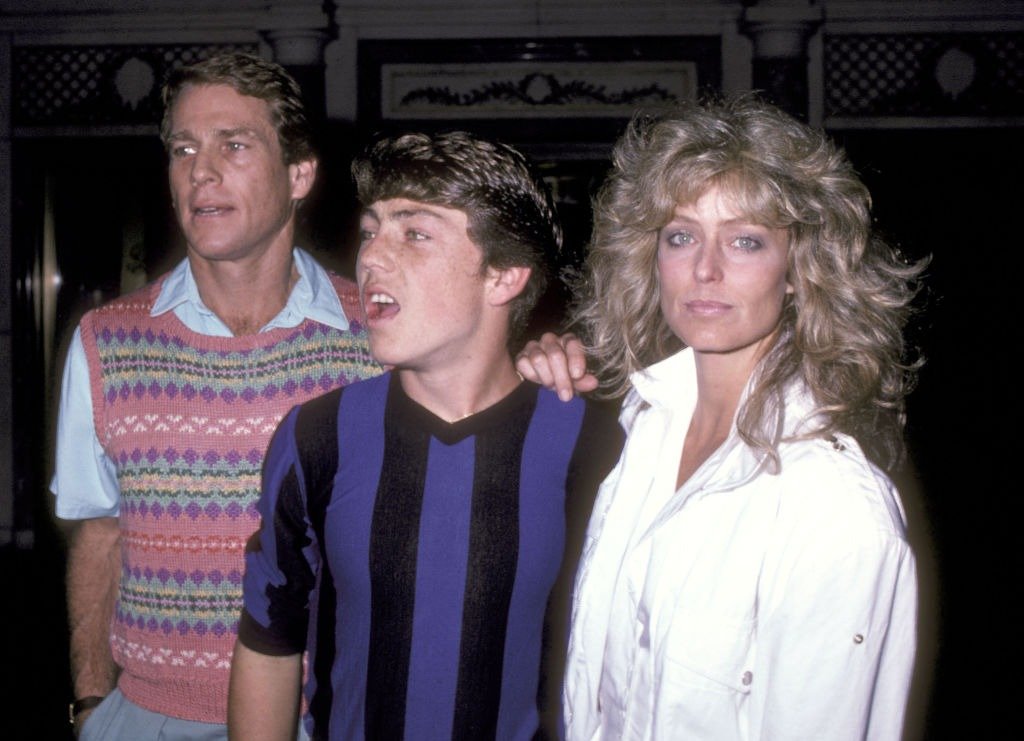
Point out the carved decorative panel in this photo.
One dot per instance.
(531, 92)
(545, 89)
(97, 85)
(924, 75)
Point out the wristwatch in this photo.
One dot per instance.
(82, 704)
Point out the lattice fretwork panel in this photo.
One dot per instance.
(924, 75)
(97, 85)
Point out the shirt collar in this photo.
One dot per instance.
(671, 386)
(672, 383)
(312, 297)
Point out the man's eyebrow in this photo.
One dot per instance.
(238, 131)
(221, 133)
(408, 213)
(402, 214)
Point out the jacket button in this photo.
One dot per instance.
(748, 677)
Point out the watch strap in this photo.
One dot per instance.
(81, 705)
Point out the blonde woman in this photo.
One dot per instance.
(746, 572)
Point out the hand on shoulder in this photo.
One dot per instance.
(557, 362)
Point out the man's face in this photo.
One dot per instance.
(233, 193)
(422, 285)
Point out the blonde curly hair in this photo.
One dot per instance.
(841, 331)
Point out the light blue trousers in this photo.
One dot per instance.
(119, 719)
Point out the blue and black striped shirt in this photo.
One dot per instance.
(425, 566)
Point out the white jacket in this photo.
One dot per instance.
(745, 605)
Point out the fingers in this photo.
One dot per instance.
(585, 383)
(558, 363)
(582, 380)
(544, 361)
(577, 358)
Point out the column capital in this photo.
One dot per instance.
(297, 47)
(297, 32)
(780, 29)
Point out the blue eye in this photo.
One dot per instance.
(680, 239)
(747, 244)
(182, 150)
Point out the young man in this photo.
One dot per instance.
(421, 530)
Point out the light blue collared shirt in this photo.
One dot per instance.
(85, 479)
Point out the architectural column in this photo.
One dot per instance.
(297, 36)
(6, 293)
(341, 56)
(780, 30)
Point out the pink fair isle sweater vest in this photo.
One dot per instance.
(187, 418)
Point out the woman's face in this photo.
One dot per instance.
(722, 278)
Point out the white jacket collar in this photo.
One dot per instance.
(671, 384)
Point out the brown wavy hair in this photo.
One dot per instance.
(841, 331)
(511, 214)
(249, 75)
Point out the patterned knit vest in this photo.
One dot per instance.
(186, 418)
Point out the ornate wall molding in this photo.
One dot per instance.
(943, 77)
(97, 85)
(545, 90)
(382, 19)
(85, 21)
(566, 92)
